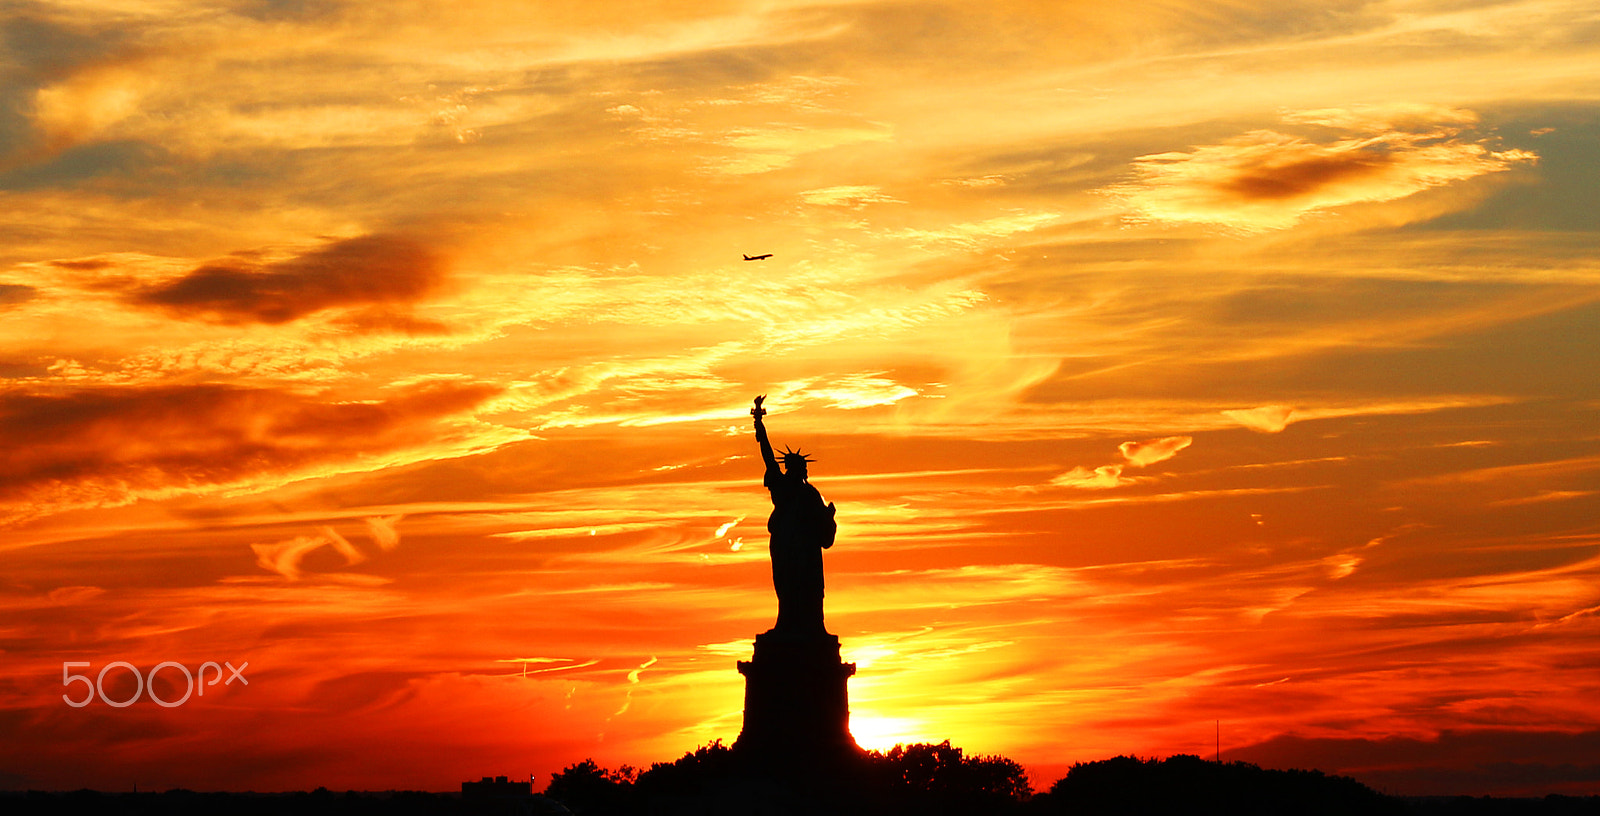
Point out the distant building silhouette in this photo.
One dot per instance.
(495, 788)
(499, 796)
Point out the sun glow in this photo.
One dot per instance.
(876, 732)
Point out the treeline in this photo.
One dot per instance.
(921, 778)
(911, 780)
(934, 780)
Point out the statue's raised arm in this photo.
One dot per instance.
(767, 456)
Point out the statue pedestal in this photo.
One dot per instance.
(796, 707)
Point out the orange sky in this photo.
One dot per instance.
(1168, 362)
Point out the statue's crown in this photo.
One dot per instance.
(792, 456)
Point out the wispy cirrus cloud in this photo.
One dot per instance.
(1101, 478)
(108, 446)
(284, 557)
(853, 196)
(1135, 454)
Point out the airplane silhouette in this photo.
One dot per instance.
(757, 257)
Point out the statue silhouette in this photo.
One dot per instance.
(801, 527)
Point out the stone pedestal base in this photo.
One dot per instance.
(796, 707)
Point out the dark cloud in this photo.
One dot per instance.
(53, 47)
(1298, 176)
(42, 45)
(106, 445)
(295, 10)
(17, 369)
(14, 293)
(371, 269)
(84, 264)
(86, 162)
(1503, 762)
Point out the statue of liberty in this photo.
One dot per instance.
(801, 527)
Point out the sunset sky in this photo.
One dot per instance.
(1170, 363)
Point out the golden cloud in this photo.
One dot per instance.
(1266, 180)
(854, 196)
(760, 150)
(80, 107)
(1266, 418)
(1101, 478)
(1151, 451)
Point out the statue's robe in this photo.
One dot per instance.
(802, 526)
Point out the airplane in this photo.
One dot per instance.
(757, 257)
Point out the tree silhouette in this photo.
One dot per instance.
(693, 773)
(944, 770)
(924, 779)
(590, 790)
